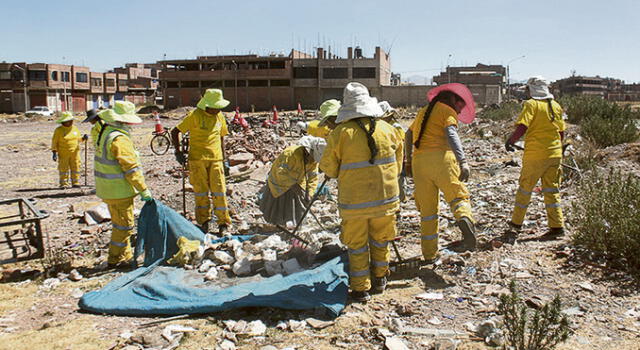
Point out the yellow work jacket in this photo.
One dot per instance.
(118, 172)
(542, 139)
(66, 139)
(364, 189)
(318, 131)
(291, 168)
(95, 131)
(205, 134)
(434, 137)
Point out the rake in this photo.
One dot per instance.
(403, 266)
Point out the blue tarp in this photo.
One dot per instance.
(165, 290)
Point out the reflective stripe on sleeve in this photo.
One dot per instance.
(132, 170)
(201, 194)
(364, 164)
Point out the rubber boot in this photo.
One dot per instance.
(468, 232)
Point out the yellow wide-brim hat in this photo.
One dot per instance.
(65, 117)
(122, 112)
(328, 109)
(212, 99)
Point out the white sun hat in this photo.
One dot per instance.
(539, 88)
(357, 104)
(313, 145)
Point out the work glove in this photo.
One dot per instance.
(54, 156)
(225, 164)
(509, 146)
(146, 195)
(465, 171)
(85, 137)
(180, 157)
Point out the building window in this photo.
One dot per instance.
(65, 76)
(81, 77)
(277, 64)
(5, 75)
(54, 75)
(210, 84)
(37, 75)
(258, 83)
(305, 73)
(335, 73)
(111, 82)
(231, 83)
(282, 82)
(172, 84)
(364, 73)
(190, 84)
(97, 82)
(123, 82)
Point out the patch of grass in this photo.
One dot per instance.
(544, 330)
(503, 111)
(604, 123)
(606, 219)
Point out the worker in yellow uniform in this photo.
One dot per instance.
(94, 119)
(541, 122)
(329, 113)
(365, 154)
(439, 164)
(65, 146)
(119, 177)
(207, 128)
(292, 181)
(390, 116)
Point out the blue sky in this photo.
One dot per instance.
(556, 37)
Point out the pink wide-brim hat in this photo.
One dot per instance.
(468, 113)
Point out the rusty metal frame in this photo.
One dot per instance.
(31, 245)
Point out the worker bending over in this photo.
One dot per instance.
(207, 128)
(292, 181)
(439, 164)
(65, 146)
(119, 177)
(365, 154)
(541, 122)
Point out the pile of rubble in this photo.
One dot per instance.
(253, 149)
(265, 255)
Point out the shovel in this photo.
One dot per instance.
(405, 266)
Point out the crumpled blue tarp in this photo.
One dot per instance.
(165, 290)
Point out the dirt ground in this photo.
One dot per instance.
(36, 315)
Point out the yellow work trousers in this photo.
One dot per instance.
(368, 243)
(550, 171)
(208, 176)
(69, 162)
(122, 222)
(435, 171)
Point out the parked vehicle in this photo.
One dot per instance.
(39, 110)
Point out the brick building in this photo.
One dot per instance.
(284, 81)
(486, 82)
(579, 85)
(58, 86)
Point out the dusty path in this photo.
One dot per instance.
(34, 316)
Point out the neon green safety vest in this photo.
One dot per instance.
(110, 179)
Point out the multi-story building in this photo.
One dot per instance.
(579, 85)
(260, 82)
(486, 82)
(142, 81)
(57, 86)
